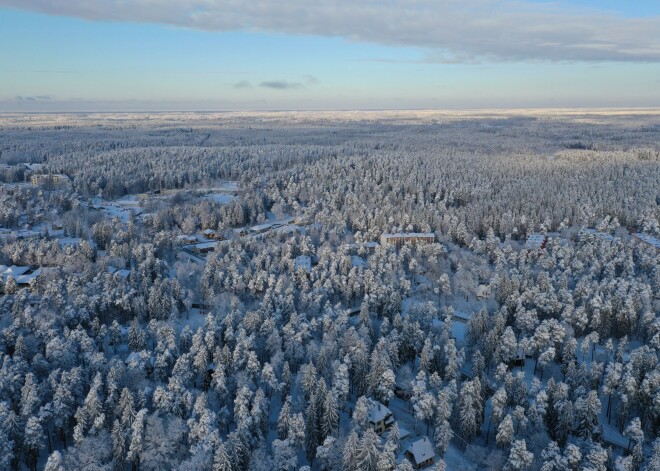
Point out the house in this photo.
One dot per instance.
(421, 453)
(260, 228)
(211, 234)
(24, 276)
(380, 417)
(536, 241)
(647, 239)
(402, 238)
(519, 359)
(186, 239)
(303, 262)
(483, 292)
(204, 247)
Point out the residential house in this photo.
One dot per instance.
(483, 292)
(380, 417)
(421, 453)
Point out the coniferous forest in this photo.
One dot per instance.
(330, 291)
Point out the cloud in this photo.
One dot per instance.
(243, 84)
(20, 98)
(282, 85)
(310, 79)
(451, 30)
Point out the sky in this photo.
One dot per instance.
(208, 55)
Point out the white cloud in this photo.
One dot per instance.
(451, 30)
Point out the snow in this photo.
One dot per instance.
(648, 238)
(220, 198)
(357, 261)
(69, 241)
(303, 262)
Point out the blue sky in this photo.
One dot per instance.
(67, 55)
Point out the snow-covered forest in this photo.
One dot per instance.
(213, 291)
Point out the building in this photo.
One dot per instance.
(483, 292)
(421, 453)
(49, 178)
(380, 417)
(203, 247)
(647, 239)
(211, 234)
(536, 241)
(260, 228)
(23, 276)
(186, 239)
(601, 235)
(402, 238)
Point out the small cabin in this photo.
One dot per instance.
(421, 453)
(483, 292)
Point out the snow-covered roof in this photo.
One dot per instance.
(400, 235)
(123, 273)
(205, 245)
(14, 271)
(377, 411)
(601, 235)
(261, 227)
(648, 238)
(421, 450)
(186, 238)
(535, 241)
(28, 278)
(21, 274)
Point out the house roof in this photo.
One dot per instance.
(421, 450)
(378, 411)
(408, 234)
(13, 271)
(27, 279)
(535, 240)
(601, 235)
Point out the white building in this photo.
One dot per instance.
(402, 238)
(421, 453)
